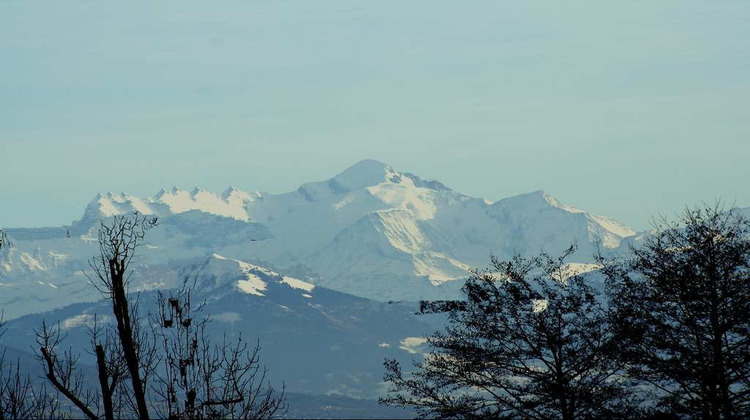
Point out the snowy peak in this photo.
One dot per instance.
(370, 173)
(533, 200)
(363, 174)
(234, 194)
(108, 205)
(232, 203)
(372, 177)
(539, 214)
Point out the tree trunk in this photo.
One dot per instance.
(101, 363)
(720, 404)
(125, 331)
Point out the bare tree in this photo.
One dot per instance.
(60, 370)
(210, 380)
(123, 351)
(531, 341)
(200, 379)
(117, 245)
(20, 397)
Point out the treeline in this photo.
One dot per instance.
(663, 332)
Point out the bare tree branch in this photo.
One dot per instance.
(200, 379)
(61, 373)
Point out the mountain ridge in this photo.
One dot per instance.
(369, 230)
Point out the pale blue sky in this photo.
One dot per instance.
(625, 108)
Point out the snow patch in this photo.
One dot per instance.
(298, 284)
(252, 285)
(86, 320)
(58, 258)
(575, 269)
(401, 230)
(31, 262)
(418, 201)
(539, 305)
(412, 344)
(228, 317)
(613, 226)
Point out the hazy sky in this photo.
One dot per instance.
(625, 108)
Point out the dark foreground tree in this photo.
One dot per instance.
(123, 351)
(117, 245)
(3, 240)
(682, 305)
(531, 341)
(20, 397)
(200, 379)
(135, 356)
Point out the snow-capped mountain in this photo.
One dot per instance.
(232, 203)
(371, 231)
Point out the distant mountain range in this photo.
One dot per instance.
(325, 276)
(369, 231)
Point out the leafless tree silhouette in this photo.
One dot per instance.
(200, 379)
(211, 381)
(20, 397)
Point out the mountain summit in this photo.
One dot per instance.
(370, 231)
(363, 174)
(370, 172)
